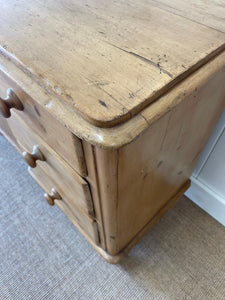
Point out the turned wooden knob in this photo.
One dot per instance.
(11, 101)
(50, 198)
(31, 158)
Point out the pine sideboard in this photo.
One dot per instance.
(110, 103)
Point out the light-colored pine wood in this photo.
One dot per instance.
(107, 176)
(94, 183)
(114, 259)
(139, 178)
(210, 12)
(141, 83)
(41, 122)
(106, 64)
(68, 181)
(6, 131)
(196, 86)
(81, 221)
(109, 138)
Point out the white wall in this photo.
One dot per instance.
(208, 179)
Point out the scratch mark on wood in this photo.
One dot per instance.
(137, 91)
(148, 61)
(110, 95)
(159, 164)
(131, 95)
(102, 103)
(37, 111)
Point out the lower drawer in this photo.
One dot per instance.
(75, 187)
(86, 225)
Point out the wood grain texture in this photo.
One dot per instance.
(80, 220)
(94, 184)
(7, 132)
(111, 138)
(190, 103)
(114, 259)
(139, 178)
(105, 64)
(68, 182)
(42, 123)
(209, 12)
(141, 83)
(107, 176)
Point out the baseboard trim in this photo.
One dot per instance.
(207, 199)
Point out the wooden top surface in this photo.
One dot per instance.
(109, 59)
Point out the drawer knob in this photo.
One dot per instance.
(11, 101)
(50, 198)
(31, 158)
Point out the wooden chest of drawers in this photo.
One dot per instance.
(110, 103)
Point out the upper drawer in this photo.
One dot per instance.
(51, 130)
(36, 151)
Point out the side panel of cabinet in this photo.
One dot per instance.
(139, 179)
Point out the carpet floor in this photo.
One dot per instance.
(43, 256)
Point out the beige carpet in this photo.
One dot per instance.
(43, 256)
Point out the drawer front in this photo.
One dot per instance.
(6, 131)
(74, 186)
(48, 128)
(85, 224)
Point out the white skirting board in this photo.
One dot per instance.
(207, 199)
